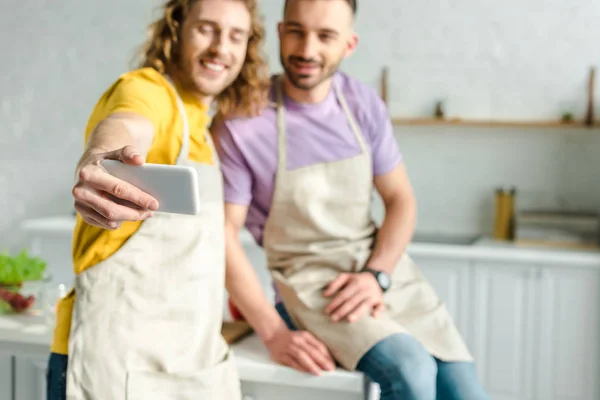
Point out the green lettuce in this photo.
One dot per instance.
(21, 267)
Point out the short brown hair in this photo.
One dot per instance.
(352, 3)
(248, 93)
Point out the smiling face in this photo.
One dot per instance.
(315, 36)
(213, 44)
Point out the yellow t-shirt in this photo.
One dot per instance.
(143, 91)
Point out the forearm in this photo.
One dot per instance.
(118, 131)
(247, 293)
(395, 233)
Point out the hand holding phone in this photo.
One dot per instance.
(175, 187)
(106, 201)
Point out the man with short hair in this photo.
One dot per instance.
(144, 320)
(300, 178)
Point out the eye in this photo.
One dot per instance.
(206, 28)
(238, 37)
(295, 32)
(326, 37)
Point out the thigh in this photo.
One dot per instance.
(56, 382)
(459, 380)
(285, 316)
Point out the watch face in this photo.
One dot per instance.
(384, 280)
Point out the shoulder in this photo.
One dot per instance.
(364, 101)
(143, 82)
(245, 129)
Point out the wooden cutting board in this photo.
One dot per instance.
(557, 245)
(235, 331)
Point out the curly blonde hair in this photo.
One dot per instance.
(248, 94)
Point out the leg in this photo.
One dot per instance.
(285, 316)
(402, 367)
(459, 381)
(56, 382)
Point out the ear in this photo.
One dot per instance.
(352, 44)
(280, 30)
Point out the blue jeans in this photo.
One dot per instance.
(404, 370)
(56, 381)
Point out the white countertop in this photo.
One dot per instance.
(20, 334)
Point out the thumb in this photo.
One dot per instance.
(127, 155)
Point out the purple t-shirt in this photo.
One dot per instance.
(315, 133)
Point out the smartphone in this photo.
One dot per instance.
(175, 187)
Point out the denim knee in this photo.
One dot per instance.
(414, 378)
(402, 368)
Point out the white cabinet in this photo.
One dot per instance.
(5, 377)
(568, 334)
(30, 377)
(504, 319)
(450, 279)
(262, 391)
(533, 328)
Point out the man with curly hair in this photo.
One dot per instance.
(143, 320)
(300, 177)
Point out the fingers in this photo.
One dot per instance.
(92, 217)
(378, 309)
(97, 178)
(317, 345)
(127, 155)
(349, 306)
(337, 284)
(304, 352)
(104, 210)
(305, 361)
(342, 297)
(317, 351)
(360, 310)
(291, 362)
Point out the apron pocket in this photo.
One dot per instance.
(220, 382)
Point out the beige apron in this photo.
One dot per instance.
(320, 226)
(147, 321)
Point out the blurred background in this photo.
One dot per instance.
(484, 95)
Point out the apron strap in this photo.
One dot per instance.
(184, 152)
(281, 136)
(353, 124)
(281, 132)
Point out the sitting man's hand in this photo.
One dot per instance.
(356, 294)
(300, 350)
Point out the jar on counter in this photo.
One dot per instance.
(504, 214)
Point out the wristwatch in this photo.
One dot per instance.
(382, 278)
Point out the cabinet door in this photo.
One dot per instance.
(5, 377)
(268, 391)
(569, 332)
(450, 280)
(30, 377)
(503, 318)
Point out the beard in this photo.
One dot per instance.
(306, 82)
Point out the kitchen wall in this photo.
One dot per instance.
(484, 59)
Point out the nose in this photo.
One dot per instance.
(309, 46)
(219, 43)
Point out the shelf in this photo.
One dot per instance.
(491, 123)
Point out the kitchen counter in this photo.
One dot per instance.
(517, 306)
(22, 335)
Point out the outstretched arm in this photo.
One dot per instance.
(297, 349)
